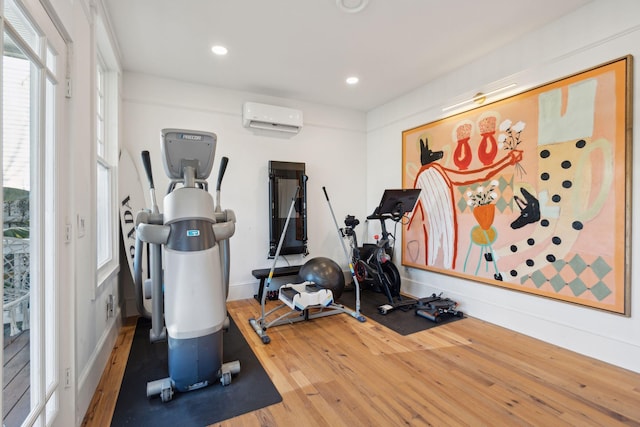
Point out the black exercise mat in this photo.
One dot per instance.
(250, 390)
(403, 322)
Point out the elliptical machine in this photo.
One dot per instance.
(189, 294)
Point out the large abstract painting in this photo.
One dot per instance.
(530, 193)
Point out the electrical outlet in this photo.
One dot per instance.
(81, 225)
(67, 233)
(110, 306)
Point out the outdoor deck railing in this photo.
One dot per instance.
(15, 304)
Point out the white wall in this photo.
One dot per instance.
(331, 144)
(599, 32)
(93, 336)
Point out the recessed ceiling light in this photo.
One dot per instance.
(352, 80)
(351, 6)
(219, 50)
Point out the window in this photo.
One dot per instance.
(103, 175)
(106, 96)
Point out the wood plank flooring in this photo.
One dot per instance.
(335, 371)
(104, 399)
(16, 371)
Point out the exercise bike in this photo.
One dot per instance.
(372, 263)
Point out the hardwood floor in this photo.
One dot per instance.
(335, 371)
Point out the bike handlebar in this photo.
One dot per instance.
(383, 217)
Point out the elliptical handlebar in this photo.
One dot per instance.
(146, 162)
(223, 167)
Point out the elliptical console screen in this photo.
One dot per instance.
(180, 146)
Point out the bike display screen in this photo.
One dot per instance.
(397, 202)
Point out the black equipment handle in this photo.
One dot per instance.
(223, 167)
(385, 216)
(146, 162)
(325, 193)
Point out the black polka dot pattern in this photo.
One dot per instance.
(553, 178)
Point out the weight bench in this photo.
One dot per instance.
(263, 273)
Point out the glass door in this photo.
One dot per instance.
(32, 74)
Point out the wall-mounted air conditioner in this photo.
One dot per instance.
(271, 117)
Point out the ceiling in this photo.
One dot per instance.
(305, 49)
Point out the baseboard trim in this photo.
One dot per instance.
(89, 378)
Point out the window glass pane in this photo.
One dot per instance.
(100, 106)
(22, 25)
(103, 220)
(16, 131)
(18, 90)
(99, 132)
(100, 109)
(99, 76)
